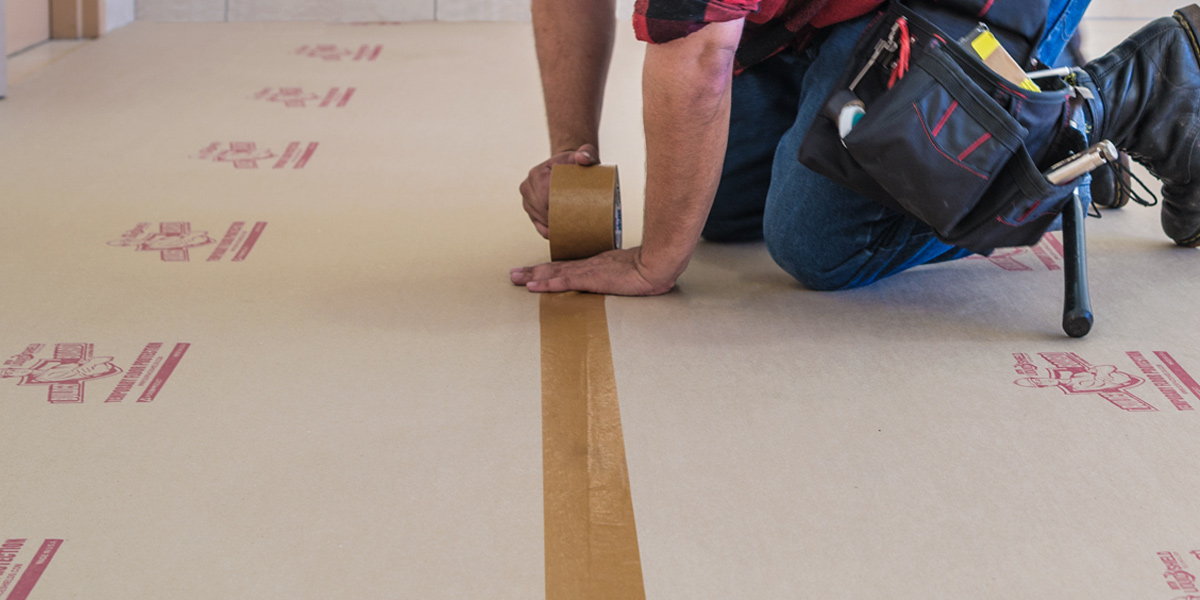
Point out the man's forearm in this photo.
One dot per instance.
(574, 40)
(686, 98)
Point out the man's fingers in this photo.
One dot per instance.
(524, 275)
(536, 212)
(557, 277)
(521, 275)
(534, 207)
(554, 284)
(535, 189)
(585, 155)
(538, 278)
(613, 272)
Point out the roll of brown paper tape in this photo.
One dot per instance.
(585, 211)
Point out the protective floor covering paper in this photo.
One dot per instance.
(258, 341)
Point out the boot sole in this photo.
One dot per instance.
(1189, 19)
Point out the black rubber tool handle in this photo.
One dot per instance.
(1077, 308)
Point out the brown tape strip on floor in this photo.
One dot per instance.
(591, 540)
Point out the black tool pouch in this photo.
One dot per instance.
(951, 142)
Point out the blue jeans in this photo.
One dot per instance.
(821, 233)
(1063, 19)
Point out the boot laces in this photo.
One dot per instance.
(1119, 170)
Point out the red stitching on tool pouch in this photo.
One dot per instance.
(925, 127)
(974, 146)
(946, 117)
(1029, 212)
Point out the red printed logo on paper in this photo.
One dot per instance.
(175, 241)
(249, 155)
(1047, 255)
(294, 97)
(336, 53)
(71, 372)
(1178, 575)
(22, 563)
(1152, 378)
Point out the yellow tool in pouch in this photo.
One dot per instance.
(984, 44)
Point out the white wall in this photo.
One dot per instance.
(502, 10)
(340, 11)
(120, 13)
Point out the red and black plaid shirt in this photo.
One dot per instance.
(771, 25)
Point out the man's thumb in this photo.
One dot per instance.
(587, 155)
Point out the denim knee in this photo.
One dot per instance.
(806, 259)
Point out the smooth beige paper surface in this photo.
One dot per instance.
(357, 413)
(324, 435)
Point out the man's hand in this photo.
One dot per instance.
(620, 272)
(686, 99)
(535, 190)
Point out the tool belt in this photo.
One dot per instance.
(933, 132)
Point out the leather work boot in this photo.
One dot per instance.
(1148, 104)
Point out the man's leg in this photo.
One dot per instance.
(821, 233)
(765, 97)
(1146, 100)
(1061, 23)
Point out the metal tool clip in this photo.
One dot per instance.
(1077, 164)
(889, 44)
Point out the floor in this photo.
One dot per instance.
(293, 241)
(31, 60)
